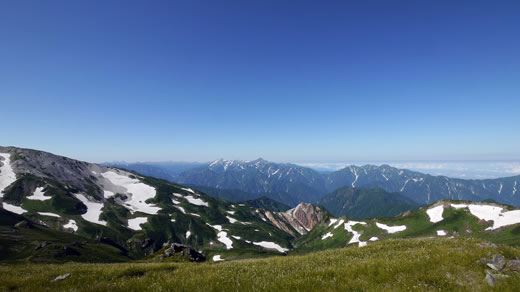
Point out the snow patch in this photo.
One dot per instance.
(338, 224)
(39, 195)
(271, 245)
(188, 190)
(217, 227)
(435, 213)
(181, 209)
(196, 201)
(356, 235)
(93, 210)
(49, 214)
(373, 238)
(188, 234)
(329, 234)
(332, 221)
(217, 258)
(231, 212)
(71, 224)
(391, 229)
(12, 208)
(232, 220)
(441, 233)
(222, 237)
(137, 192)
(135, 223)
(7, 175)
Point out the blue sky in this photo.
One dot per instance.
(300, 81)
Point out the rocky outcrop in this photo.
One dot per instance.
(184, 251)
(296, 221)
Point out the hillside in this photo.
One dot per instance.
(436, 264)
(366, 203)
(138, 213)
(496, 223)
(268, 204)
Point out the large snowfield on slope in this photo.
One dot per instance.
(93, 210)
(137, 192)
(7, 175)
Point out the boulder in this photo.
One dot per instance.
(184, 251)
(514, 265)
(499, 261)
(490, 280)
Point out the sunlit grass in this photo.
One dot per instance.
(413, 264)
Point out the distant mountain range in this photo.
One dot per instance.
(291, 184)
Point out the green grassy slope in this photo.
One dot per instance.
(21, 244)
(393, 265)
(456, 223)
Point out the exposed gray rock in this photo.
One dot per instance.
(492, 266)
(61, 277)
(514, 265)
(499, 261)
(491, 280)
(184, 251)
(487, 244)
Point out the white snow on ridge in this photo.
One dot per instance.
(373, 238)
(217, 258)
(49, 214)
(71, 224)
(391, 229)
(332, 221)
(435, 213)
(39, 195)
(135, 223)
(338, 224)
(137, 192)
(356, 235)
(7, 175)
(496, 214)
(329, 234)
(222, 237)
(12, 208)
(188, 190)
(459, 206)
(93, 210)
(271, 245)
(188, 234)
(196, 201)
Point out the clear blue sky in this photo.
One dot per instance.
(284, 80)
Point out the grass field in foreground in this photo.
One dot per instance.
(400, 264)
